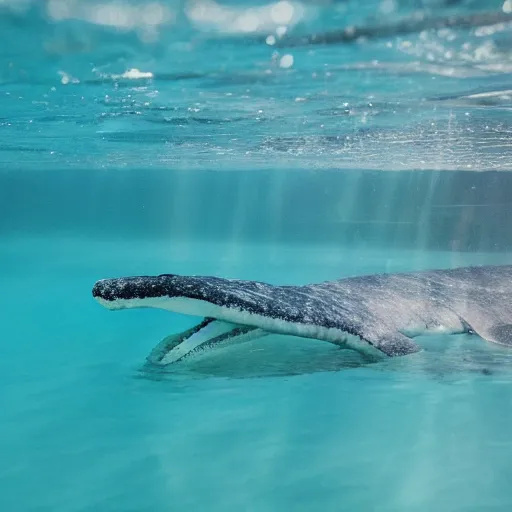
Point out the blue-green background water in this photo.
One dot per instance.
(385, 155)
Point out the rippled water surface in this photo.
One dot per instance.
(288, 142)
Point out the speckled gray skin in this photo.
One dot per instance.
(385, 310)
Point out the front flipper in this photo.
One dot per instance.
(209, 333)
(499, 333)
(394, 344)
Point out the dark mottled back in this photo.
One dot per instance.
(381, 309)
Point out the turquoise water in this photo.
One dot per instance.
(390, 154)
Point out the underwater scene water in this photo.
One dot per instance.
(286, 142)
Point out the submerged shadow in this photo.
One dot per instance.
(272, 356)
(444, 357)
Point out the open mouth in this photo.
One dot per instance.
(208, 334)
(215, 348)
